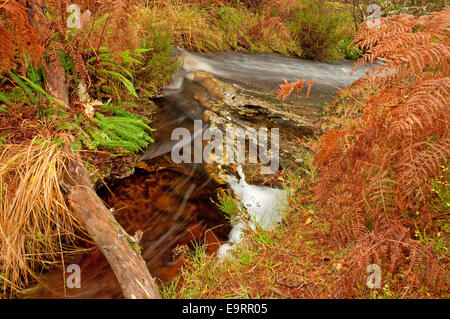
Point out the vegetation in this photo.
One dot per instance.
(381, 193)
(227, 205)
(376, 175)
(319, 30)
(376, 191)
(124, 52)
(35, 222)
(295, 260)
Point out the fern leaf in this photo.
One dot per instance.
(29, 93)
(127, 83)
(5, 99)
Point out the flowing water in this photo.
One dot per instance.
(267, 69)
(171, 204)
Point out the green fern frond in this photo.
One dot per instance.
(116, 67)
(123, 130)
(103, 141)
(119, 111)
(4, 98)
(35, 75)
(29, 95)
(36, 87)
(127, 83)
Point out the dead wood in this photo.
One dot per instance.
(119, 248)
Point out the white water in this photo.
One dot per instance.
(263, 204)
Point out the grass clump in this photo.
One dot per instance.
(228, 205)
(319, 29)
(234, 22)
(190, 25)
(36, 225)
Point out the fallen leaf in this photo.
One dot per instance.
(308, 221)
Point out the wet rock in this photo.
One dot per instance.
(230, 108)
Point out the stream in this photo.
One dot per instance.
(170, 204)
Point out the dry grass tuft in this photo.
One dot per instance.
(188, 24)
(36, 226)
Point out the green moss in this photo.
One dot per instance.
(134, 245)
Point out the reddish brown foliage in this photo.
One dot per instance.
(16, 32)
(269, 26)
(376, 174)
(26, 31)
(280, 7)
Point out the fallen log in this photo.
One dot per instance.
(119, 248)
